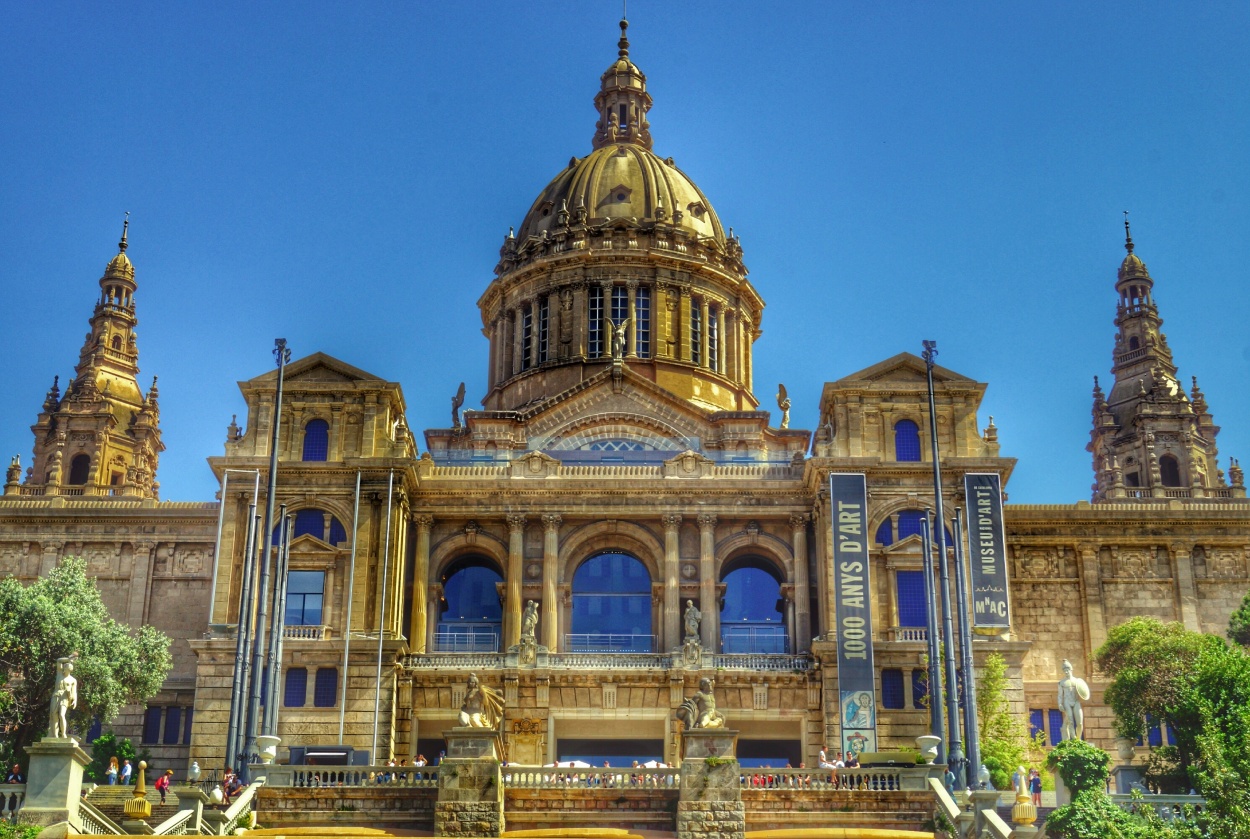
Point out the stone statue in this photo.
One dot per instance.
(692, 618)
(699, 711)
(1072, 691)
(456, 402)
(783, 402)
(482, 708)
(529, 621)
(618, 338)
(64, 697)
(14, 472)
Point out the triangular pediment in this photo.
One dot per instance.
(317, 368)
(903, 368)
(307, 543)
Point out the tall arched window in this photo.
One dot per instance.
(906, 441)
(751, 621)
(908, 525)
(1170, 471)
(312, 522)
(79, 469)
(317, 440)
(471, 617)
(611, 606)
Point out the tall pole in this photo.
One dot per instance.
(936, 722)
(283, 355)
(386, 565)
(238, 691)
(955, 753)
(279, 621)
(269, 717)
(347, 624)
(965, 657)
(221, 518)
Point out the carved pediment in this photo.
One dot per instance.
(319, 367)
(904, 367)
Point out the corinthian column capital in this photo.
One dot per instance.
(552, 522)
(516, 523)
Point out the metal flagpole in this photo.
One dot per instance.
(351, 593)
(245, 712)
(936, 723)
(965, 658)
(279, 620)
(283, 355)
(239, 688)
(275, 631)
(386, 559)
(955, 754)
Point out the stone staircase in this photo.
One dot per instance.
(1004, 812)
(111, 801)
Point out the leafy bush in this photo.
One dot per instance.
(108, 745)
(1082, 766)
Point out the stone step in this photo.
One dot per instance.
(111, 801)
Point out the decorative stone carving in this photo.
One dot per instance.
(691, 619)
(482, 706)
(783, 402)
(1037, 563)
(1226, 563)
(699, 711)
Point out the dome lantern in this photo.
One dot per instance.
(623, 101)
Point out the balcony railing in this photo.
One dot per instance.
(12, 797)
(306, 633)
(611, 661)
(350, 776)
(754, 638)
(597, 642)
(907, 633)
(467, 638)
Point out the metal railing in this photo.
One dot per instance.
(469, 639)
(602, 642)
(881, 780)
(757, 640)
(351, 776)
(564, 777)
(791, 663)
(12, 797)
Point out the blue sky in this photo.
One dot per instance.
(343, 174)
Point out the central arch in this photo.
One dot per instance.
(611, 610)
(470, 615)
(752, 619)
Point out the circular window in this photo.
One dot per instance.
(620, 196)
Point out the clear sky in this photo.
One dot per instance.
(343, 174)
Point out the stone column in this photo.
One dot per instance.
(672, 582)
(704, 344)
(605, 330)
(802, 595)
(710, 627)
(512, 583)
(1186, 591)
(748, 368)
(517, 320)
(533, 307)
(631, 343)
(140, 580)
(51, 550)
(1091, 591)
(420, 584)
(551, 572)
(683, 321)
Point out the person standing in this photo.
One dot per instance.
(1035, 787)
(111, 774)
(124, 778)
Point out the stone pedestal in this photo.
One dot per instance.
(1062, 795)
(53, 782)
(470, 785)
(710, 806)
(982, 800)
(1127, 778)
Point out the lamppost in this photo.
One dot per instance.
(936, 723)
(239, 682)
(965, 658)
(955, 754)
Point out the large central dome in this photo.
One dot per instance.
(621, 259)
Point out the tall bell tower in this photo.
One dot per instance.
(1150, 439)
(103, 436)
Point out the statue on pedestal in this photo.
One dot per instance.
(482, 706)
(527, 649)
(1072, 691)
(691, 619)
(699, 711)
(64, 697)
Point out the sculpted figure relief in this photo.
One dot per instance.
(699, 711)
(529, 621)
(619, 332)
(64, 697)
(1072, 691)
(691, 619)
(482, 707)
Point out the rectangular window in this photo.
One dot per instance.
(1037, 722)
(152, 725)
(1055, 720)
(713, 340)
(892, 689)
(95, 730)
(1154, 736)
(304, 596)
(186, 728)
(620, 305)
(594, 338)
(642, 327)
(296, 691)
(543, 314)
(326, 688)
(173, 726)
(911, 605)
(919, 687)
(696, 332)
(527, 337)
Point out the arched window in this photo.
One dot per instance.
(317, 441)
(611, 606)
(1133, 343)
(906, 441)
(751, 620)
(909, 522)
(79, 469)
(117, 342)
(1169, 471)
(312, 522)
(471, 617)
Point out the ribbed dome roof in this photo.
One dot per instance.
(622, 181)
(1132, 268)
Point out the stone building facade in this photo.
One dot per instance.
(619, 474)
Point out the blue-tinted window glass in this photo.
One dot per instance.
(326, 687)
(96, 729)
(750, 619)
(1171, 733)
(892, 689)
(311, 522)
(1153, 734)
(620, 305)
(909, 523)
(906, 441)
(296, 690)
(543, 316)
(186, 726)
(527, 337)
(304, 594)
(1037, 722)
(885, 533)
(594, 339)
(152, 725)
(911, 605)
(173, 726)
(696, 332)
(642, 322)
(919, 687)
(472, 617)
(1055, 719)
(611, 605)
(317, 440)
(713, 339)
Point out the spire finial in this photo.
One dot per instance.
(125, 228)
(1128, 236)
(623, 44)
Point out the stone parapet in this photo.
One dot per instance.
(710, 819)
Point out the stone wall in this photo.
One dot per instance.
(409, 808)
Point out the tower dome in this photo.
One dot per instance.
(621, 248)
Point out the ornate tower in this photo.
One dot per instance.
(103, 437)
(1150, 439)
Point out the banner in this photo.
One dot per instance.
(857, 692)
(987, 554)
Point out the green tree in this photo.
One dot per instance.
(109, 745)
(1239, 623)
(61, 615)
(1002, 733)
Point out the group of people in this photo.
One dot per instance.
(1032, 784)
(122, 774)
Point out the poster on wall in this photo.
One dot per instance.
(848, 503)
(987, 554)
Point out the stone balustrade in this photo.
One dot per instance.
(878, 780)
(613, 661)
(559, 777)
(349, 776)
(12, 797)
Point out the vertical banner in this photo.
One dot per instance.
(857, 692)
(987, 554)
